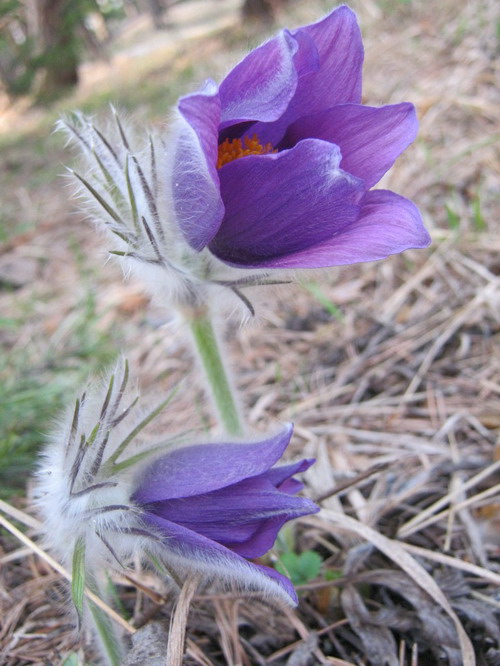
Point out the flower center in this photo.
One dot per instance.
(233, 149)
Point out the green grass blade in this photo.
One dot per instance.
(316, 291)
(78, 577)
(109, 641)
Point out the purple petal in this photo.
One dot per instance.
(244, 517)
(388, 224)
(261, 540)
(280, 204)
(281, 476)
(291, 486)
(335, 80)
(261, 85)
(306, 58)
(340, 47)
(256, 543)
(195, 181)
(370, 139)
(186, 550)
(193, 470)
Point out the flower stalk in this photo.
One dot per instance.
(208, 348)
(109, 641)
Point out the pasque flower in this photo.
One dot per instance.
(215, 506)
(274, 167)
(205, 509)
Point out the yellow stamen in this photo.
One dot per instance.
(233, 149)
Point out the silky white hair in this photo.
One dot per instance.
(125, 188)
(87, 476)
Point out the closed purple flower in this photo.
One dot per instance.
(273, 168)
(214, 507)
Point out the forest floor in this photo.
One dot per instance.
(390, 371)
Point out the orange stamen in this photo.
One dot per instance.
(233, 149)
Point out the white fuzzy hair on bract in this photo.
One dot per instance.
(84, 489)
(125, 188)
(78, 493)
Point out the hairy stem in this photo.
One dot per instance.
(208, 349)
(109, 641)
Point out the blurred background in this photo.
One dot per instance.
(394, 364)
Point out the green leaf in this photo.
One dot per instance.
(6, 322)
(133, 460)
(300, 568)
(112, 186)
(109, 639)
(78, 576)
(112, 213)
(131, 195)
(452, 217)
(146, 421)
(333, 574)
(93, 434)
(138, 457)
(112, 594)
(120, 235)
(71, 660)
(479, 221)
(110, 643)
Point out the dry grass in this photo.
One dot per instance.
(398, 400)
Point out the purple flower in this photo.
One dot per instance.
(273, 168)
(213, 507)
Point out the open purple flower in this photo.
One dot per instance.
(273, 168)
(213, 507)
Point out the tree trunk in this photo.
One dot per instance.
(262, 10)
(58, 21)
(158, 11)
(258, 10)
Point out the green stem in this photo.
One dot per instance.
(110, 643)
(207, 346)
